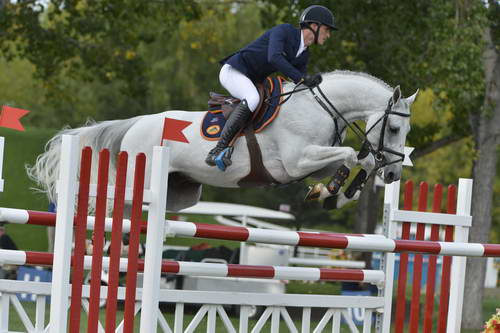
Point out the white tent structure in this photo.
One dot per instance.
(230, 209)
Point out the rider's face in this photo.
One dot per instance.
(324, 34)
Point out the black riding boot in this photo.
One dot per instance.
(236, 121)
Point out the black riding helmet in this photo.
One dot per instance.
(319, 15)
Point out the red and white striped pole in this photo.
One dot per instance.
(34, 217)
(360, 242)
(13, 257)
(334, 241)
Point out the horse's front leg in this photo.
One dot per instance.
(314, 157)
(321, 192)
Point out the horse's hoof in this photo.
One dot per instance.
(314, 192)
(330, 203)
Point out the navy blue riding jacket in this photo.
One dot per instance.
(272, 52)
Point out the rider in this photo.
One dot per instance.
(284, 49)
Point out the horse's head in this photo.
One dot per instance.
(387, 132)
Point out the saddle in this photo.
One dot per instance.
(219, 108)
(226, 104)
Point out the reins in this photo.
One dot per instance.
(363, 136)
(289, 94)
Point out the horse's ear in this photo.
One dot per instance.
(396, 95)
(411, 99)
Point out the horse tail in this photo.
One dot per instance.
(100, 135)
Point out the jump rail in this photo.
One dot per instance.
(354, 242)
(12, 257)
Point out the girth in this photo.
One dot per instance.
(258, 176)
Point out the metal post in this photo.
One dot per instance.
(457, 276)
(66, 195)
(243, 245)
(391, 202)
(2, 144)
(4, 312)
(154, 239)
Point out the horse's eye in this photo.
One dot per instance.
(394, 130)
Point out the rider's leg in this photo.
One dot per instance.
(236, 121)
(239, 86)
(242, 88)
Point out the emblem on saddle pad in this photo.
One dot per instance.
(213, 130)
(220, 106)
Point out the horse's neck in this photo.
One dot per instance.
(356, 98)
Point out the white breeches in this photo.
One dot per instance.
(239, 86)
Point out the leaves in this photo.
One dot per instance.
(90, 40)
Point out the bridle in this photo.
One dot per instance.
(367, 147)
(378, 153)
(361, 178)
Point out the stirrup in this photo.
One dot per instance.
(223, 160)
(210, 159)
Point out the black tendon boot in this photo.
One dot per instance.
(236, 121)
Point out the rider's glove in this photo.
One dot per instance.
(312, 81)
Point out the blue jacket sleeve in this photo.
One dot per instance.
(277, 40)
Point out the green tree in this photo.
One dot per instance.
(90, 42)
(485, 125)
(450, 47)
(192, 68)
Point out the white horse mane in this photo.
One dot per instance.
(360, 74)
(364, 75)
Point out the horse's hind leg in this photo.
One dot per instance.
(127, 214)
(183, 192)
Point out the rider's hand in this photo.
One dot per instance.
(312, 81)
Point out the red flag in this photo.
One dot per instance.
(172, 130)
(10, 118)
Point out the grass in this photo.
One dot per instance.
(21, 148)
